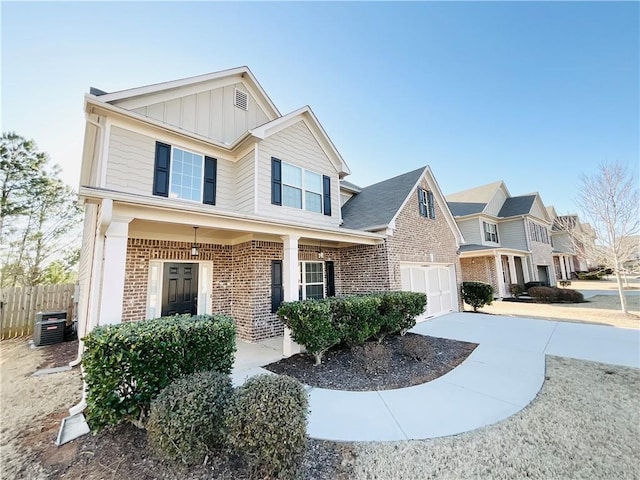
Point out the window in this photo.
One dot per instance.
(185, 175)
(538, 233)
(311, 280)
(490, 232)
(296, 187)
(426, 203)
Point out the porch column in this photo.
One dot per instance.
(500, 275)
(113, 270)
(563, 267)
(290, 286)
(512, 269)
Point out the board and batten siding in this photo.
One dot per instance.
(130, 162)
(471, 230)
(244, 182)
(296, 145)
(212, 113)
(513, 234)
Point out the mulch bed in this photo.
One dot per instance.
(397, 362)
(59, 354)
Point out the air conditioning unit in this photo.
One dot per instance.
(49, 328)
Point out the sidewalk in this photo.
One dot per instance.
(501, 377)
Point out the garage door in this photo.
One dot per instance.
(437, 281)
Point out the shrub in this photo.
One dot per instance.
(570, 296)
(398, 312)
(477, 294)
(528, 285)
(356, 317)
(186, 420)
(589, 276)
(516, 289)
(311, 325)
(267, 424)
(544, 294)
(372, 358)
(127, 365)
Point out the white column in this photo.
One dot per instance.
(563, 267)
(500, 275)
(290, 286)
(113, 270)
(512, 269)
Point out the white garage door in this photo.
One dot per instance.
(437, 281)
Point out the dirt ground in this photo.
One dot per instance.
(599, 309)
(31, 409)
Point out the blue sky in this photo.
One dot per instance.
(533, 93)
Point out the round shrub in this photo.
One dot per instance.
(267, 424)
(477, 294)
(186, 420)
(544, 294)
(570, 296)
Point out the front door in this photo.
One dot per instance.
(180, 289)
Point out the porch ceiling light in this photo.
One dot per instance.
(194, 247)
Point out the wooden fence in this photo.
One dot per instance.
(19, 305)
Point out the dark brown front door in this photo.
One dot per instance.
(180, 288)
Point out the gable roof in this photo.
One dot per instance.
(481, 194)
(515, 206)
(243, 73)
(460, 209)
(351, 187)
(376, 205)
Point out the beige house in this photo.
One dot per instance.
(569, 253)
(508, 239)
(200, 196)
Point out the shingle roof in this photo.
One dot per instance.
(350, 186)
(514, 206)
(376, 205)
(460, 209)
(471, 247)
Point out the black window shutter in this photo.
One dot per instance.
(331, 282)
(210, 178)
(326, 194)
(277, 290)
(161, 170)
(431, 204)
(423, 207)
(276, 181)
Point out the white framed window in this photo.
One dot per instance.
(291, 185)
(311, 280)
(490, 232)
(427, 203)
(312, 191)
(187, 171)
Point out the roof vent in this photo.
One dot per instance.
(241, 100)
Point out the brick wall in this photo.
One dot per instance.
(480, 269)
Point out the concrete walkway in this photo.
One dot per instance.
(501, 377)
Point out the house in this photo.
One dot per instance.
(508, 237)
(201, 197)
(567, 237)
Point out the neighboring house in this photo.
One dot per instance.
(201, 197)
(568, 253)
(508, 238)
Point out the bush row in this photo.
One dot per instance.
(264, 421)
(322, 324)
(126, 365)
(477, 294)
(554, 294)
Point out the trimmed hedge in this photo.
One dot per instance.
(126, 365)
(187, 418)
(516, 289)
(554, 294)
(267, 425)
(477, 294)
(322, 324)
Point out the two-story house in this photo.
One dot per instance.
(567, 238)
(508, 239)
(200, 196)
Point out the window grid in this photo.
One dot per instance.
(187, 171)
(490, 232)
(311, 280)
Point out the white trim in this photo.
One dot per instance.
(424, 268)
(104, 152)
(171, 167)
(256, 169)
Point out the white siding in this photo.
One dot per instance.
(345, 197)
(225, 185)
(495, 204)
(211, 113)
(244, 190)
(562, 242)
(296, 145)
(471, 231)
(512, 234)
(537, 212)
(130, 162)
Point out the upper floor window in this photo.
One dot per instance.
(538, 233)
(426, 202)
(179, 173)
(490, 232)
(293, 186)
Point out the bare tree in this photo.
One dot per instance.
(609, 203)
